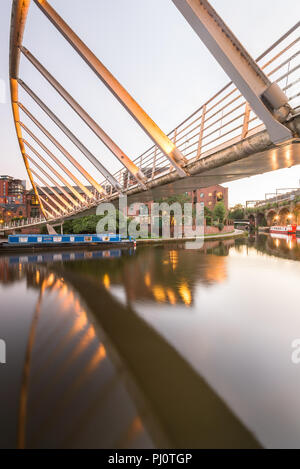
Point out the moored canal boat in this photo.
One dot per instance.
(34, 242)
(287, 230)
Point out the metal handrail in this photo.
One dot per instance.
(218, 104)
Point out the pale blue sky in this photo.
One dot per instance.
(154, 53)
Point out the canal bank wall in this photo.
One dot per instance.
(207, 237)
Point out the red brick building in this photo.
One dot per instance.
(12, 198)
(12, 191)
(211, 196)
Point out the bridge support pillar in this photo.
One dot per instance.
(50, 229)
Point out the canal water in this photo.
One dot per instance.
(161, 347)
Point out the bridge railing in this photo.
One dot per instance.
(225, 118)
(23, 223)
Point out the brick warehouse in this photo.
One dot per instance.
(17, 202)
(211, 195)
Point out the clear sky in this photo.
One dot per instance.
(154, 53)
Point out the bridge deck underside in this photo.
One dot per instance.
(269, 160)
(255, 164)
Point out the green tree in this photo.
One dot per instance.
(85, 225)
(43, 229)
(237, 212)
(208, 215)
(68, 227)
(88, 224)
(219, 211)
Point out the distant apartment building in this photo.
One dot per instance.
(12, 191)
(12, 198)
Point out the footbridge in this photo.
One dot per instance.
(250, 126)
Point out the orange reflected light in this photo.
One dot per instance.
(85, 341)
(68, 301)
(173, 259)
(63, 290)
(37, 277)
(97, 358)
(147, 280)
(185, 293)
(274, 161)
(79, 323)
(159, 294)
(50, 280)
(171, 296)
(106, 281)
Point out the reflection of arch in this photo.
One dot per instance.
(125, 335)
(131, 336)
(271, 217)
(47, 366)
(26, 372)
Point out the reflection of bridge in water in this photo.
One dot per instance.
(249, 127)
(107, 379)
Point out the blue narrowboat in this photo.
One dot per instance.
(39, 241)
(56, 239)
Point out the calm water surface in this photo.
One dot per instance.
(158, 347)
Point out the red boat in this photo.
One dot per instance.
(287, 230)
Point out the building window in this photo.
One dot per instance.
(210, 194)
(34, 212)
(202, 195)
(220, 196)
(34, 200)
